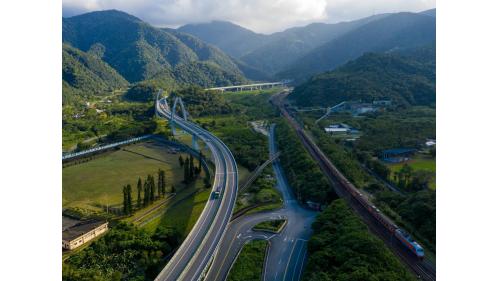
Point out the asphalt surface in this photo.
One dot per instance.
(193, 256)
(287, 250)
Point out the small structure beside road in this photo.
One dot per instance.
(81, 233)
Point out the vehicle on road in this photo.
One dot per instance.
(216, 194)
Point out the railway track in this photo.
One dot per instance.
(424, 270)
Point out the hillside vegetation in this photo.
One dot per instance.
(342, 248)
(394, 32)
(405, 80)
(85, 74)
(137, 50)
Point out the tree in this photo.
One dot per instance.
(152, 189)
(191, 167)
(186, 172)
(199, 161)
(161, 183)
(125, 206)
(206, 180)
(406, 173)
(139, 190)
(129, 198)
(146, 193)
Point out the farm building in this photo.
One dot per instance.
(79, 234)
(340, 128)
(397, 155)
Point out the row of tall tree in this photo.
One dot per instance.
(191, 171)
(147, 192)
(127, 199)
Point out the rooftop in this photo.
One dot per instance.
(396, 151)
(80, 229)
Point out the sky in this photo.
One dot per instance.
(264, 16)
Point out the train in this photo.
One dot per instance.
(402, 236)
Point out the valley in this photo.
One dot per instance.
(357, 98)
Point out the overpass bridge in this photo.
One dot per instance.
(256, 86)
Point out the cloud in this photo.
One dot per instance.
(259, 15)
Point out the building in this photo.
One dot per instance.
(397, 155)
(81, 233)
(338, 129)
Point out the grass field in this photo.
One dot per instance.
(182, 214)
(100, 181)
(419, 162)
(249, 264)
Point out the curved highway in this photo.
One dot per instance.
(194, 255)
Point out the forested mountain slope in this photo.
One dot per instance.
(393, 32)
(137, 50)
(86, 74)
(287, 46)
(229, 37)
(407, 79)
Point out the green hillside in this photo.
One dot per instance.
(287, 46)
(394, 32)
(137, 50)
(204, 74)
(86, 74)
(406, 80)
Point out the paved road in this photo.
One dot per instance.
(287, 250)
(195, 253)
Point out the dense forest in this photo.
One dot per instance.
(302, 172)
(388, 33)
(199, 102)
(137, 50)
(415, 212)
(379, 132)
(124, 253)
(402, 79)
(342, 248)
(84, 74)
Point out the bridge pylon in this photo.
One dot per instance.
(171, 118)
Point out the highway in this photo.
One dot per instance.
(286, 252)
(195, 253)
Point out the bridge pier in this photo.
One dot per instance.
(194, 142)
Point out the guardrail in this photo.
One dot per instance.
(100, 148)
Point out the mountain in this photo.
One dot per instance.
(85, 73)
(229, 37)
(137, 50)
(431, 12)
(407, 78)
(393, 32)
(204, 74)
(285, 47)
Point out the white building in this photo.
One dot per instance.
(338, 129)
(82, 233)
